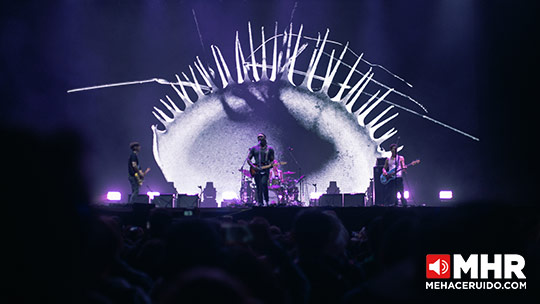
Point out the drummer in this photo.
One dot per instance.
(276, 175)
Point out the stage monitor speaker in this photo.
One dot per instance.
(333, 188)
(187, 201)
(209, 196)
(380, 161)
(140, 199)
(164, 200)
(331, 200)
(354, 200)
(379, 193)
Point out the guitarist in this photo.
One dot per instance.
(136, 175)
(396, 185)
(262, 155)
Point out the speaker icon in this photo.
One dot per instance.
(438, 266)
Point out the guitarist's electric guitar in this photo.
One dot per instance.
(139, 177)
(391, 175)
(253, 170)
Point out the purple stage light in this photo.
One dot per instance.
(405, 194)
(114, 196)
(446, 194)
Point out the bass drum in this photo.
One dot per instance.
(274, 196)
(275, 182)
(248, 192)
(292, 195)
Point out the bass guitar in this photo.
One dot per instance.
(253, 169)
(391, 175)
(139, 177)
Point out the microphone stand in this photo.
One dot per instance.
(200, 197)
(396, 162)
(242, 182)
(299, 173)
(317, 201)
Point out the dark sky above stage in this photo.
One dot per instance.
(472, 64)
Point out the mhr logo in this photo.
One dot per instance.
(438, 266)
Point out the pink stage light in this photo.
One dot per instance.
(446, 194)
(114, 196)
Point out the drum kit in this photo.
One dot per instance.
(281, 192)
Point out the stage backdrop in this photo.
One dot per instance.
(324, 116)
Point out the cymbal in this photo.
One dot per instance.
(289, 172)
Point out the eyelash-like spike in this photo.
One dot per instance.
(176, 109)
(378, 117)
(264, 75)
(328, 80)
(285, 37)
(225, 78)
(197, 86)
(386, 136)
(179, 93)
(162, 117)
(364, 82)
(275, 64)
(346, 82)
(292, 60)
(289, 41)
(241, 70)
(204, 74)
(362, 115)
(361, 109)
(183, 95)
(191, 84)
(328, 71)
(311, 61)
(168, 107)
(254, 71)
(159, 119)
(313, 67)
(373, 123)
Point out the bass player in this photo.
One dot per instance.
(395, 185)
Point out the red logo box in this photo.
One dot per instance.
(438, 266)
